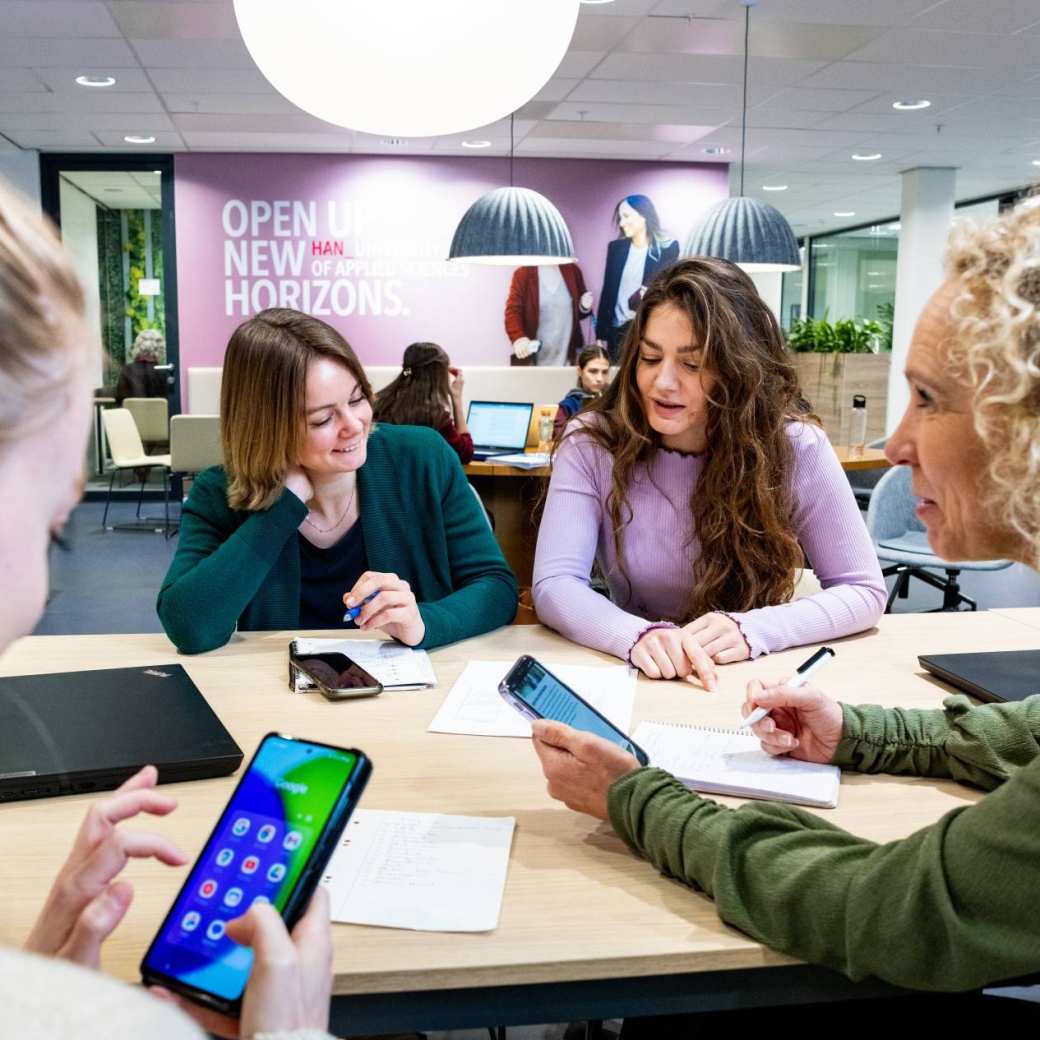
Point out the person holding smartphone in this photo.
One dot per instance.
(47, 352)
(428, 392)
(317, 509)
(951, 907)
(700, 481)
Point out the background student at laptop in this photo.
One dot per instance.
(498, 427)
(46, 354)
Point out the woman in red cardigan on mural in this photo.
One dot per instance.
(545, 306)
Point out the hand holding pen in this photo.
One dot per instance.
(793, 718)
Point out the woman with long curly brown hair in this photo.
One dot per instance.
(697, 480)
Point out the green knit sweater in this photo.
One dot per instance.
(422, 522)
(952, 907)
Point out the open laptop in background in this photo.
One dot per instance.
(498, 427)
(89, 731)
(1003, 675)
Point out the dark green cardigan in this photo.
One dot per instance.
(422, 522)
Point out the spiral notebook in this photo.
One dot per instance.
(731, 762)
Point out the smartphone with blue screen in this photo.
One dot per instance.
(271, 843)
(538, 694)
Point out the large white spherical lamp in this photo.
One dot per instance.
(407, 68)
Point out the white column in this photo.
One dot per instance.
(22, 169)
(926, 215)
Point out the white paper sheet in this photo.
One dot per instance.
(522, 459)
(425, 871)
(474, 706)
(394, 665)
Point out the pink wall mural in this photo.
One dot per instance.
(361, 242)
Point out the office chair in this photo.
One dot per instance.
(900, 541)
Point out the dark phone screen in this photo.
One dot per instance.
(257, 852)
(337, 671)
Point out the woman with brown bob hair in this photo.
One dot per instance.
(697, 480)
(316, 507)
(428, 392)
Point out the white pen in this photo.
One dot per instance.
(800, 678)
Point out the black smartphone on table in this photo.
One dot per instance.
(271, 843)
(336, 676)
(538, 694)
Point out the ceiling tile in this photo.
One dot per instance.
(577, 64)
(224, 81)
(164, 142)
(190, 54)
(266, 142)
(33, 18)
(768, 40)
(714, 95)
(906, 80)
(128, 123)
(245, 104)
(648, 114)
(55, 140)
(605, 149)
(995, 16)
(698, 68)
(14, 81)
(824, 12)
(933, 47)
(603, 131)
(820, 99)
(288, 123)
(158, 20)
(83, 102)
(62, 52)
(600, 34)
(556, 89)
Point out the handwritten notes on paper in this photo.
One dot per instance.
(426, 871)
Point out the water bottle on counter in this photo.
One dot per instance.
(858, 427)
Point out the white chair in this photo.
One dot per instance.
(901, 540)
(151, 417)
(195, 443)
(124, 443)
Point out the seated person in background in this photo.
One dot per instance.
(953, 906)
(428, 392)
(47, 352)
(317, 507)
(139, 378)
(696, 480)
(593, 376)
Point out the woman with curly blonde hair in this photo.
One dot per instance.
(953, 906)
(696, 481)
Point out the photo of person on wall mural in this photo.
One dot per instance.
(544, 310)
(641, 249)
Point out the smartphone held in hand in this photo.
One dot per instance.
(538, 694)
(271, 844)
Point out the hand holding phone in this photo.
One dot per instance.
(538, 694)
(270, 847)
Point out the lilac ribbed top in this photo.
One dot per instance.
(660, 547)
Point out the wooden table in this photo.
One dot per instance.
(512, 502)
(587, 929)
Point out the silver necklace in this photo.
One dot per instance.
(325, 530)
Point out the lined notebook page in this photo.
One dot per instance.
(721, 761)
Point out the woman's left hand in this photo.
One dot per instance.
(579, 767)
(458, 383)
(721, 638)
(394, 609)
(87, 900)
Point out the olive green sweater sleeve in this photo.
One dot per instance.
(218, 567)
(952, 907)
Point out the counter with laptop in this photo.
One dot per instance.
(665, 942)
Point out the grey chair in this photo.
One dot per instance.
(864, 481)
(901, 541)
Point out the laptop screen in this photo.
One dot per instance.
(499, 424)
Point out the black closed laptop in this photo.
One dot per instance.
(88, 731)
(1002, 675)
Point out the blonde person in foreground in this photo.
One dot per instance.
(954, 906)
(47, 353)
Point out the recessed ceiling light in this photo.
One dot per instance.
(139, 139)
(594, 3)
(96, 81)
(873, 285)
(895, 227)
(1036, 162)
(774, 187)
(157, 172)
(874, 274)
(476, 144)
(866, 156)
(844, 212)
(715, 149)
(911, 106)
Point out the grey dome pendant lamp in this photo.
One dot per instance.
(751, 234)
(512, 227)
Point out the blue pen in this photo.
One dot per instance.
(352, 612)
